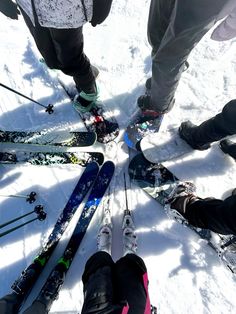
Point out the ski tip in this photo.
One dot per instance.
(108, 167)
(97, 157)
(109, 164)
(93, 165)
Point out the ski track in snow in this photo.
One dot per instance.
(185, 274)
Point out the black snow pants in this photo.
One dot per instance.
(109, 288)
(116, 288)
(62, 49)
(214, 214)
(218, 127)
(174, 28)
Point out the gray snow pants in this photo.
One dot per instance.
(174, 28)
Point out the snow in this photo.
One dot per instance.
(185, 274)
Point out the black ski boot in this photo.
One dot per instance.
(144, 102)
(188, 131)
(228, 147)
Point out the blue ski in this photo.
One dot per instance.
(51, 288)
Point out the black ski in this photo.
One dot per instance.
(11, 303)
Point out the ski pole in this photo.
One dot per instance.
(126, 211)
(128, 228)
(41, 216)
(107, 213)
(49, 107)
(37, 210)
(31, 198)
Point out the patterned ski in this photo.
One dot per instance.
(59, 138)
(45, 158)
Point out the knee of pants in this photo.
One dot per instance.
(98, 260)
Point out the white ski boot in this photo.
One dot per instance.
(129, 236)
(104, 239)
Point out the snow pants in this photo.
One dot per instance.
(214, 214)
(218, 127)
(116, 288)
(174, 28)
(62, 49)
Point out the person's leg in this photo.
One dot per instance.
(209, 213)
(158, 21)
(62, 49)
(225, 122)
(98, 286)
(214, 214)
(189, 22)
(68, 44)
(131, 284)
(228, 147)
(214, 129)
(43, 41)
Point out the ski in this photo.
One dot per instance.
(46, 158)
(51, 288)
(55, 138)
(28, 277)
(159, 182)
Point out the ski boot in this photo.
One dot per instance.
(228, 147)
(85, 102)
(129, 236)
(187, 132)
(104, 239)
(176, 203)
